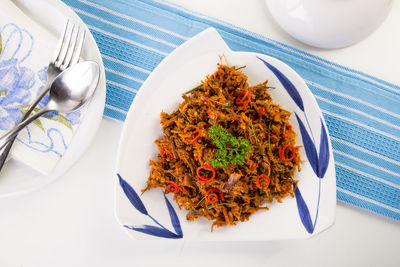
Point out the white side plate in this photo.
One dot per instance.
(16, 178)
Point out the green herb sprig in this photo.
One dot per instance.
(230, 149)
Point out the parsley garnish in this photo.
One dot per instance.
(230, 149)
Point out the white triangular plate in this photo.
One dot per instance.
(150, 216)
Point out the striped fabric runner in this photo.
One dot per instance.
(361, 111)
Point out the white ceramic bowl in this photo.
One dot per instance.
(152, 216)
(329, 23)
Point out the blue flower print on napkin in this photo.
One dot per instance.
(20, 85)
(16, 80)
(15, 85)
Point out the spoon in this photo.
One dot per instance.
(70, 90)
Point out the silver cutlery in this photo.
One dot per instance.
(71, 89)
(66, 54)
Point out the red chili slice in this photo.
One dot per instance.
(288, 132)
(263, 181)
(282, 152)
(240, 100)
(173, 187)
(205, 179)
(212, 197)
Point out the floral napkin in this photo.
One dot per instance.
(26, 49)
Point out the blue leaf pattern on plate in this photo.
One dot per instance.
(287, 84)
(309, 146)
(132, 196)
(319, 161)
(304, 213)
(149, 229)
(174, 217)
(323, 158)
(153, 230)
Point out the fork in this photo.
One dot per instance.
(67, 53)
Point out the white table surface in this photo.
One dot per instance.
(70, 222)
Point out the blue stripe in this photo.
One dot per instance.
(126, 34)
(358, 117)
(122, 80)
(367, 187)
(367, 205)
(124, 69)
(359, 136)
(388, 103)
(114, 114)
(367, 157)
(124, 21)
(119, 97)
(145, 12)
(124, 51)
(367, 169)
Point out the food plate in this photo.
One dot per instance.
(154, 216)
(17, 178)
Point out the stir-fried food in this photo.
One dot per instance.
(227, 151)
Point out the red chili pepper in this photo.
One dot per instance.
(263, 181)
(282, 154)
(212, 197)
(288, 132)
(196, 131)
(240, 100)
(203, 179)
(173, 187)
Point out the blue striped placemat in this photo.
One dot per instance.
(361, 111)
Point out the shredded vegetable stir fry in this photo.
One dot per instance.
(227, 152)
